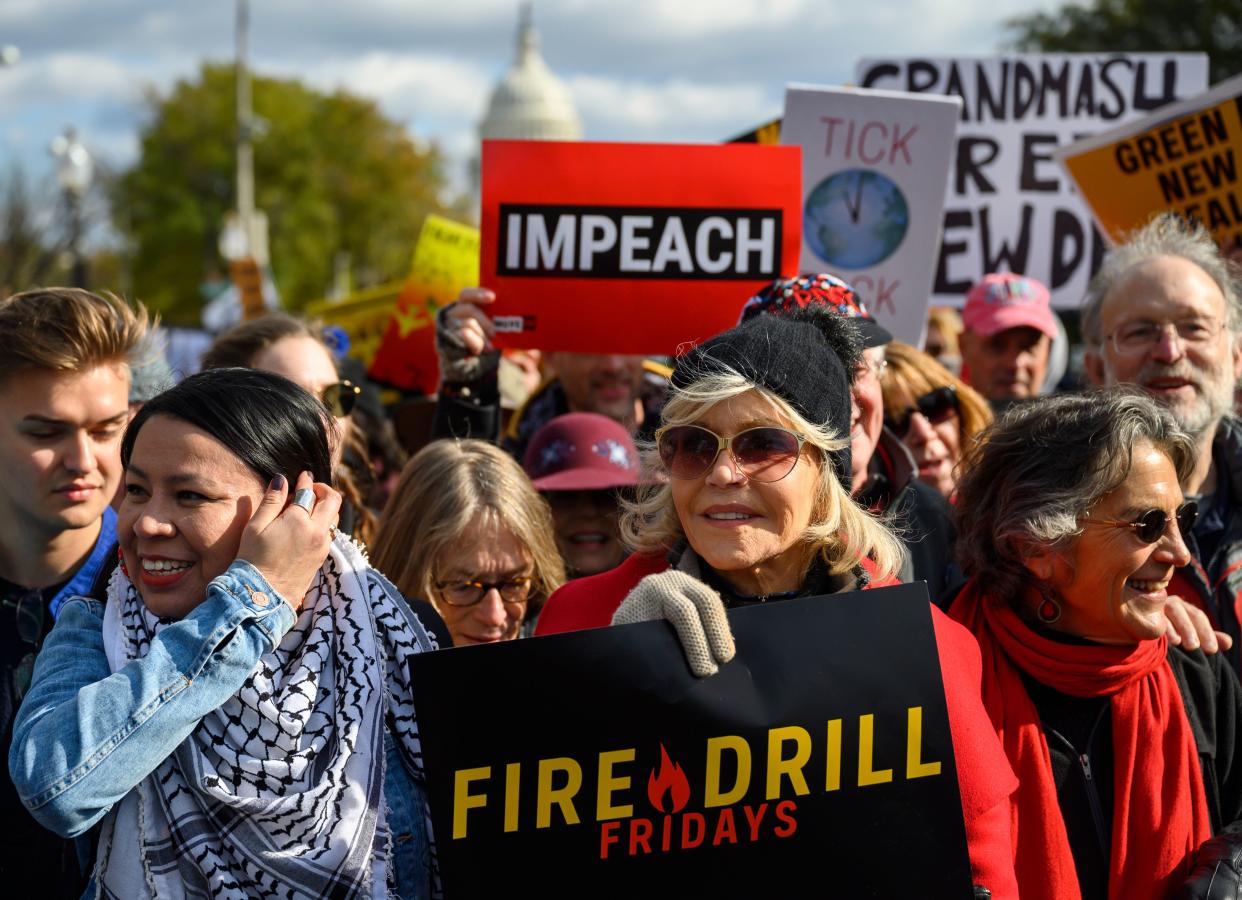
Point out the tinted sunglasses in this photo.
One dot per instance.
(763, 454)
(341, 398)
(468, 593)
(935, 406)
(1151, 525)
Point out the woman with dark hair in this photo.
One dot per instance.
(236, 716)
(295, 349)
(1070, 523)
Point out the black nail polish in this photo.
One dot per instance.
(278, 483)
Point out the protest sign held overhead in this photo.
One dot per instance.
(446, 259)
(1182, 158)
(803, 761)
(1008, 206)
(874, 169)
(631, 248)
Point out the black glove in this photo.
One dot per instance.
(1217, 870)
(982, 893)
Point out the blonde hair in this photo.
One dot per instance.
(949, 321)
(910, 374)
(841, 532)
(68, 330)
(442, 489)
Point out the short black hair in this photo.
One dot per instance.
(270, 423)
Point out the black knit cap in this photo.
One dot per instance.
(805, 358)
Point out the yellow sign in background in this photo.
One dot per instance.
(1188, 164)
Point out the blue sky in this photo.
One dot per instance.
(639, 70)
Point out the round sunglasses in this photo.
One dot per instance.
(341, 397)
(935, 406)
(764, 454)
(1150, 526)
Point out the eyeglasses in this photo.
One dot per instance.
(763, 454)
(341, 398)
(1151, 525)
(935, 406)
(28, 615)
(1137, 338)
(468, 593)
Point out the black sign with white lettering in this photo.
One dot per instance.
(594, 764)
(639, 242)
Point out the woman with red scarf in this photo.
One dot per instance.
(1070, 525)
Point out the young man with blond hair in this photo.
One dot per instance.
(64, 402)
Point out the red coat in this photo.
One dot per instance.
(984, 775)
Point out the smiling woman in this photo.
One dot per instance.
(247, 667)
(1124, 746)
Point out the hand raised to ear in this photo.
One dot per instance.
(287, 542)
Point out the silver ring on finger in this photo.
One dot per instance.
(305, 498)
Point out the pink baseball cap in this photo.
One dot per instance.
(1003, 300)
(581, 452)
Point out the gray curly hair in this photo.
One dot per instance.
(1040, 469)
(1167, 234)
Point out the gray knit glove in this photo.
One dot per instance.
(694, 610)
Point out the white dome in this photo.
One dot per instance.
(530, 103)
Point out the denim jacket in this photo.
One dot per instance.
(86, 736)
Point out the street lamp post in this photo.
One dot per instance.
(74, 171)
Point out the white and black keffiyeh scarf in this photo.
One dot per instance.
(279, 792)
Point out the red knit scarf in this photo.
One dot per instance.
(1160, 814)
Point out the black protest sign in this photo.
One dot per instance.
(595, 764)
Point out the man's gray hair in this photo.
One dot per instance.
(1167, 234)
(1035, 473)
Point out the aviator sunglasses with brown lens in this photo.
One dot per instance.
(764, 454)
(340, 398)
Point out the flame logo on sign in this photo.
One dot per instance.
(672, 781)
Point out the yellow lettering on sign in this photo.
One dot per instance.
(832, 782)
(713, 795)
(513, 773)
(563, 796)
(778, 766)
(609, 783)
(463, 800)
(915, 767)
(866, 742)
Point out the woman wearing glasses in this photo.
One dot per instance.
(934, 413)
(1070, 524)
(466, 530)
(754, 449)
(296, 349)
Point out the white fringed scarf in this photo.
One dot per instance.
(279, 792)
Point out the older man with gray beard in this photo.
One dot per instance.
(1163, 313)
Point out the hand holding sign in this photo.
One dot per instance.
(694, 610)
(464, 335)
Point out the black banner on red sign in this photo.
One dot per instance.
(594, 764)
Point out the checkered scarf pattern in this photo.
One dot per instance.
(279, 792)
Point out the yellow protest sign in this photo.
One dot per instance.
(363, 316)
(446, 255)
(1183, 158)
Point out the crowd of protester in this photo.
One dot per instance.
(210, 583)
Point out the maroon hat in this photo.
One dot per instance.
(581, 452)
(788, 295)
(1002, 300)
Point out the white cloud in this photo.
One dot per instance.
(673, 110)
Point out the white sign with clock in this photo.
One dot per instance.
(875, 165)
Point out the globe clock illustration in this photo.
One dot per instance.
(855, 218)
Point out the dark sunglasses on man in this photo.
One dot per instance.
(936, 406)
(341, 398)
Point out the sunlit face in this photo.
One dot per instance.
(936, 448)
(487, 552)
(867, 420)
(187, 500)
(1008, 365)
(1195, 382)
(307, 363)
(608, 384)
(749, 532)
(1113, 587)
(60, 446)
(588, 533)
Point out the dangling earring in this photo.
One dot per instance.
(121, 558)
(1048, 611)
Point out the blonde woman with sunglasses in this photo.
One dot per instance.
(750, 507)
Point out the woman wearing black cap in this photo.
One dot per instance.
(770, 519)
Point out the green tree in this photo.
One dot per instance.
(331, 172)
(1210, 26)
